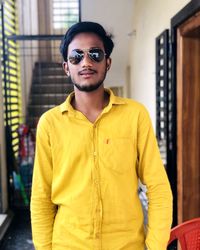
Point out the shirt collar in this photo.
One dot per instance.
(114, 100)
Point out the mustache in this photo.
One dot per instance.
(86, 71)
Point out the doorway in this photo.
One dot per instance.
(188, 118)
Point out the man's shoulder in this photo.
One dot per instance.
(51, 114)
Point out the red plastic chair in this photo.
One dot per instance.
(188, 234)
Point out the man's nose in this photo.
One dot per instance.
(86, 61)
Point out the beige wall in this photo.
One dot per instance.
(151, 17)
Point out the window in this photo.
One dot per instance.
(65, 13)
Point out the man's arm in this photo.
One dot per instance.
(42, 209)
(152, 173)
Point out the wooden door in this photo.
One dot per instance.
(188, 118)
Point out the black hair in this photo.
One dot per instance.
(86, 27)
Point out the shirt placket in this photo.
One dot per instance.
(98, 213)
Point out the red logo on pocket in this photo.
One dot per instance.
(107, 141)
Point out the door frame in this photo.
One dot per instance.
(188, 11)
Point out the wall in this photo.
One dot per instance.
(151, 17)
(116, 17)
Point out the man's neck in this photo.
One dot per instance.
(91, 103)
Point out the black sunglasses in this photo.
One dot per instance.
(95, 54)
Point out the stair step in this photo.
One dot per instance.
(51, 79)
(51, 88)
(48, 99)
(49, 71)
(38, 110)
(48, 65)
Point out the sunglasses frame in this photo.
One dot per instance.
(88, 52)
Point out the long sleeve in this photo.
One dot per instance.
(152, 173)
(42, 209)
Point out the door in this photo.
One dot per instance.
(188, 118)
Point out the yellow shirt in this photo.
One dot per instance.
(85, 181)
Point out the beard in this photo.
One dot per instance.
(91, 87)
(88, 88)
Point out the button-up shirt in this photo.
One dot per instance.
(85, 181)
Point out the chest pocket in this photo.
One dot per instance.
(117, 154)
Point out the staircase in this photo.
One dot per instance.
(50, 87)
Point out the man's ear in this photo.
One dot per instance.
(108, 63)
(66, 68)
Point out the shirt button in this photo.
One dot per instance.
(95, 153)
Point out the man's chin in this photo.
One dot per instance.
(88, 88)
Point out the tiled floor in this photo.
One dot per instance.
(18, 236)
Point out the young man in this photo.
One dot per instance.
(91, 151)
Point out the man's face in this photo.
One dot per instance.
(87, 75)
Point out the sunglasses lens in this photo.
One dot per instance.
(96, 55)
(76, 56)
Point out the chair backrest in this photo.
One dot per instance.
(188, 234)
